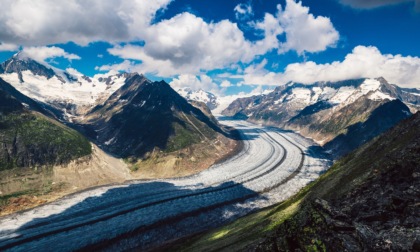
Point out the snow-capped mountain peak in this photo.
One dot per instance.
(65, 90)
(295, 97)
(199, 95)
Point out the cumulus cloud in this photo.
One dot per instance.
(196, 83)
(256, 74)
(304, 31)
(226, 84)
(362, 62)
(8, 47)
(125, 66)
(243, 11)
(43, 53)
(42, 22)
(179, 46)
(73, 71)
(371, 4)
(186, 44)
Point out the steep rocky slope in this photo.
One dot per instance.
(367, 201)
(331, 112)
(30, 139)
(125, 114)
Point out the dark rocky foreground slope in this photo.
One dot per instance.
(368, 201)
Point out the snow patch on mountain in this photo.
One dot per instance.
(199, 95)
(83, 91)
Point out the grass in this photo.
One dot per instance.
(5, 199)
(182, 138)
(38, 141)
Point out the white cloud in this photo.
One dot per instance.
(186, 44)
(226, 84)
(196, 83)
(256, 74)
(105, 75)
(42, 53)
(362, 62)
(73, 71)
(371, 4)
(243, 11)
(182, 45)
(8, 47)
(304, 31)
(41, 22)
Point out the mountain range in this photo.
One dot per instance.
(125, 114)
(339, 115)
(60, 129)
(52, 119)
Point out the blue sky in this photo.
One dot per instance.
(222, 46)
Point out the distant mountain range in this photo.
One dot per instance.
(340, 115)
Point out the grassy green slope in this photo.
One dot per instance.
(30, 139)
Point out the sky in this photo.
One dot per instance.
(225, 47)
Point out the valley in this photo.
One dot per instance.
(169, 125)
(272, 166)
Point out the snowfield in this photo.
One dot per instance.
(82, 92)
(272, 166)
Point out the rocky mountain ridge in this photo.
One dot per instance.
(143, 115)
(326, 110)
(71, 93)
